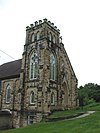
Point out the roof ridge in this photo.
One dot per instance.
(9, 62)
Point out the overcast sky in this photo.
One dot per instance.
(79, 24)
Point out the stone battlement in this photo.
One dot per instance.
(37, 23)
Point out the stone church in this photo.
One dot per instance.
(42, 81)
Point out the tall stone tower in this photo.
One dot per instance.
(47, 79)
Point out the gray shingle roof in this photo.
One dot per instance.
(10, 69)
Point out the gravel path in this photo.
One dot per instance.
(84, 115)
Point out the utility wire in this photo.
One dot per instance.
(6, 54)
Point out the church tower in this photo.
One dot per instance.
(47, 79)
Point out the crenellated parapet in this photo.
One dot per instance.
(37, 23)
(43, 29)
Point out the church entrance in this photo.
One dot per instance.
(65, 95)
(5, 119)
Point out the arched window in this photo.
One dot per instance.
(8, 94)
(38, 35)
(54, 39)
(34, 66)
(33, 37)
(52, 67)
(50, 36)
(32, 98)
(52, 98)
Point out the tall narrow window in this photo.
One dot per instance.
(8, 94)
(38, 35)
(54, 39)
(50, 36)
(34, 66)
(33, 38)
(52, 67)
(32, 98)
(52, 98)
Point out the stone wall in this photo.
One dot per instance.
(14, 104)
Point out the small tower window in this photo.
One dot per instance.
(32, 98)
(52, 67)
(38, 35)
(52, 98)
(34, 66)
(8, 94)
(54, 39)
(50, 36)
(33, 38)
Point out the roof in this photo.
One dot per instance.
(10, 69)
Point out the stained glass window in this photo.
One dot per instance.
(34, 66)
(52, 67)
(8, 94)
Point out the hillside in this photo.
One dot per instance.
(89, 124)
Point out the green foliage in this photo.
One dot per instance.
(89, 93)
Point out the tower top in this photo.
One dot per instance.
(40, 22)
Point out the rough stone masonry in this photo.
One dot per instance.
(42, 81)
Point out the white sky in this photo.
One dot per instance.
(79, 24)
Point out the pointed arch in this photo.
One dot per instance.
(32, 97)
(34, 66)
(52, 67)
(65, 94)
(50, 36)
(38, 35)
(8, 93)
(54, 39)
(33, 37)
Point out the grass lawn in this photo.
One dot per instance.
(66, 112)
(89, 124)
(93, 107)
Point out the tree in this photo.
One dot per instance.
(88, 93)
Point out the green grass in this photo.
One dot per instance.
(93, 107)
(89, 124)
(66, 112)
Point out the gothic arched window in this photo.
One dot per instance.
(33, 37)
(34, 66)
(8, 94)
(52, 98)
(32, 98)
(50, 36)
(54, 39)
(38, 35)
(52, 67)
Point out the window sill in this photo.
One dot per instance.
(51, 80)
(7, 102)
(32, 104)
(52, 104)
(32, 80)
